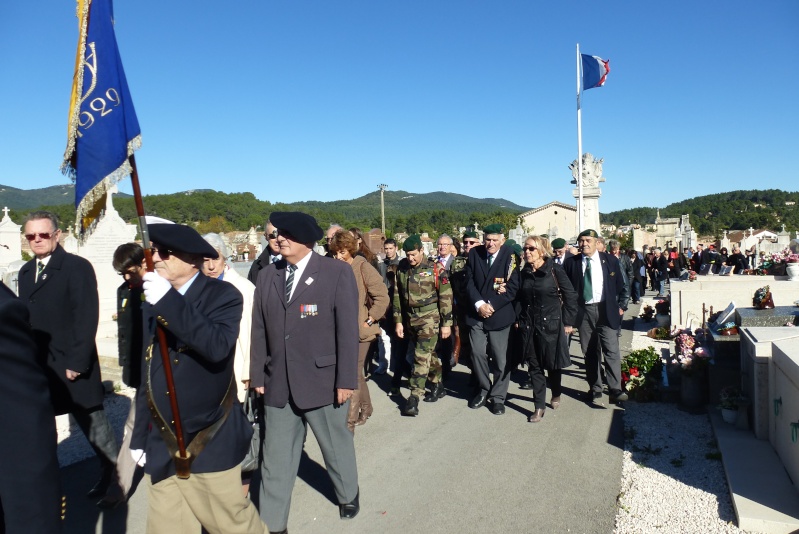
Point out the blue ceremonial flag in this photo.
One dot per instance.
(595, 70)
(103, 131)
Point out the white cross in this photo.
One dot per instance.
(5, 212)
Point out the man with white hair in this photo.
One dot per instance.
(219, 269)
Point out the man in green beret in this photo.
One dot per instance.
(422, 312)
(598, 280)
(561, 250)
(492, 279)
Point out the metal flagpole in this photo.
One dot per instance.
(579, 149)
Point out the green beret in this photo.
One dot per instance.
(517, 248)
(494, 229)
(470, 234)
(510, 242)
(558, 243)
(588, 233)
(413, 242)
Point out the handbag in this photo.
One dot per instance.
(250, 462)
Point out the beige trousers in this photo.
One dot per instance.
(211, 500)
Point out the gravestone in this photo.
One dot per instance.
(10, 245)
(110, 232)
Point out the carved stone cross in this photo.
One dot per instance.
(6, 210)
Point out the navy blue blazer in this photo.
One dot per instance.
(612, 286)
(306, 348)
(30, 497)
(480, 286)
(202, 327)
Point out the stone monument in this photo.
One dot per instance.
(10, 245)
(110, 232)
(592, 176)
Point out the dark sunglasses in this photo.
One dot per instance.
(471, 242)
(272, 235)
(529, 248)
(163, 252)
(45, 235)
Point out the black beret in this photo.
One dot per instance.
(494, 229)
(301, 226)
(588, 233)
(181, 238)
(558, 243)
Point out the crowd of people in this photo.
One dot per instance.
(198, 341)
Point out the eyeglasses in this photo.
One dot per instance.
(445, 244)
(163, 252)
(272, 235)
(471, 242)
(529, 248)
(44, 235)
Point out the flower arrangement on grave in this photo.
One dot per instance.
(662, 307)
(660, 333)
(688, 353)
(648, 314)
(783, 256)
(639, 372)
(692, 276)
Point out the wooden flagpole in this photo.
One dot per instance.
(183, 458)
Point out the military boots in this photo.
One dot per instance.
(436, 392)
(412, 406)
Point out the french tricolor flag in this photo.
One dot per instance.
(595, 70)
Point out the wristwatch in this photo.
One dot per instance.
(369, 321)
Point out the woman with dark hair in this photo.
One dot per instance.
(363, 250)
(546, 306)
(373, 303)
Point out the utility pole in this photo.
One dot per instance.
(382, 188)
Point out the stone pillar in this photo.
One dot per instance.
(592, 176)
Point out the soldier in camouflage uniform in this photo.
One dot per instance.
(422, 310)
(457, 278)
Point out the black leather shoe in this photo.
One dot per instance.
(436, 393)
(351, 509)
(477, 402)
(284, 531)
(101, 488)
(617, 397)
(411, 407)
(595, 398)
(497, 408)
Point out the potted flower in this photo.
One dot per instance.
(729, 399)
(648, 313)
(692, 276)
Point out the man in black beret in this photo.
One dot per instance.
(304, 361)
(597, 278)
(201, 316)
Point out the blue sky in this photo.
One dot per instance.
(323, 100)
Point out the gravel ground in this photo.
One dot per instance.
(672, 476)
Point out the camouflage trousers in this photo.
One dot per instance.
(426, 363)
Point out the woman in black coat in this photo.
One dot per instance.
(547, 308)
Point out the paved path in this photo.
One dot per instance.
(451, 469)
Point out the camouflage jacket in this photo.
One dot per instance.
(420, 291)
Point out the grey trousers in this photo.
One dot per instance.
(596, 339)
(490, 357)
(282, 448)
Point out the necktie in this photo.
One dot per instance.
(588, 288)
(274, 259)
(490, 260)
(289, 280)
(39, 269)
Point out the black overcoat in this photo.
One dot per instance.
(542, 317)
(202, 327)
(64, 313)
(30, 500)
(613, 294)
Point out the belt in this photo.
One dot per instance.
(201, 439)
(422, 309)
(593, 304)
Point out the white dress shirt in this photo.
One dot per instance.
(597, 276)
